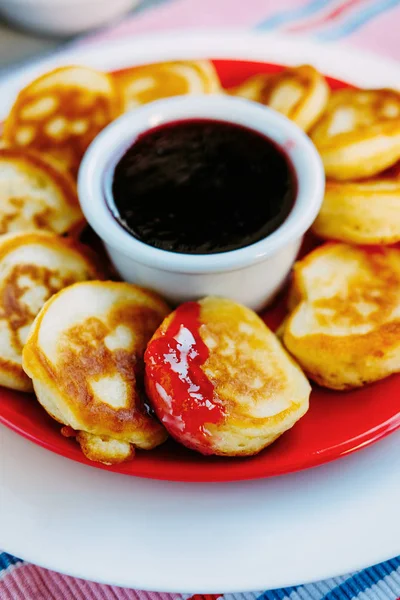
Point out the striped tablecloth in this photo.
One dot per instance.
(371, 24)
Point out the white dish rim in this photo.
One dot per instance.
(350, 501)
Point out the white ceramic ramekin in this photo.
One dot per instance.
(64, 17)
(251, 275)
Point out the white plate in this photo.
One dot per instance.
(199, 537)
(202, 537)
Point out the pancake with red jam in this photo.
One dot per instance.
(220, 381)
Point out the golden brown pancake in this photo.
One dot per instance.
(300, 93)
(251, 88)
(85, 357)
(361, 212)
(33, 267)
(61, 112)
(34, 194)
(220, 381)
(344, 324)
(147, 83)
(359, 134)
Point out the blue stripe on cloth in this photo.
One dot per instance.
(355, 21)
(288, 16)
(362, 581)
(6, 560)
(348, 587)
(277, 594)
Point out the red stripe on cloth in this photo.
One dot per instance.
(205, 597)
(329, 16)
(198, 14)
(28, 582)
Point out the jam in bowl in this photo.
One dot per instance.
(202, 186)
(195, 196)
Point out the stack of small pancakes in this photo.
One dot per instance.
(343, 325)
(108, 360)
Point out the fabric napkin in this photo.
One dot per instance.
(368, 24)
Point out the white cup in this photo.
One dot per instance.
(63, 17)
(251, 275)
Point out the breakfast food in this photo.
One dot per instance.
(141, 85)
(34, 194)
(220, 381)
(226, 164)
(300, 93)
(33, 267)
(344, 325)
(61, 112)
(361, 212)
(359, 134)
(251, 88)
(85, 357)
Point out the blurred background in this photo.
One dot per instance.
(30, 28)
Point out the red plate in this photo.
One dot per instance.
(336, 424)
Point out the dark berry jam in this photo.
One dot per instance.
(202, 186)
